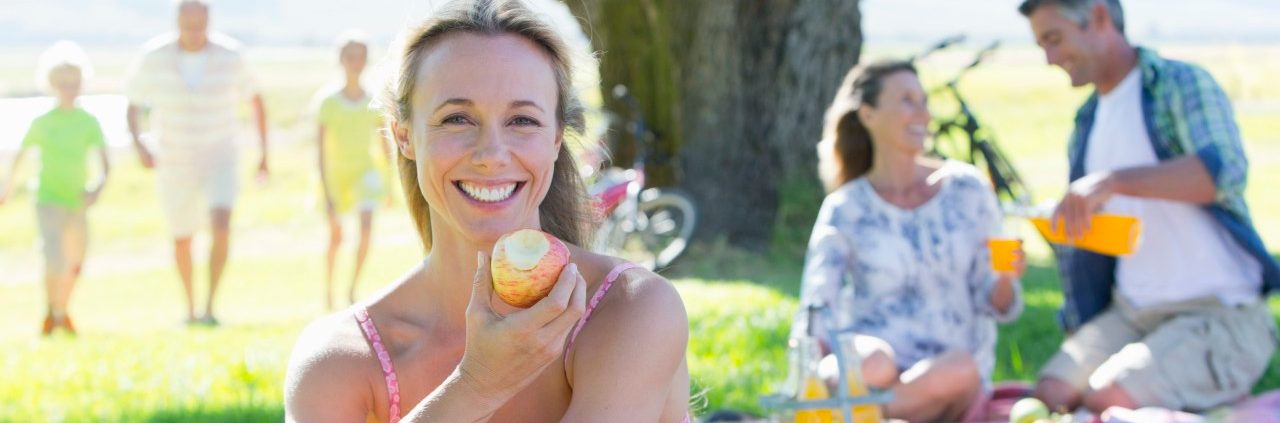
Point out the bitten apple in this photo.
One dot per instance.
(526, 264)
(1028, 410)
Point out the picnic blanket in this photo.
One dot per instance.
(1262, 408)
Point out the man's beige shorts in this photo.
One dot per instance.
(1192, 355)
(64, 235)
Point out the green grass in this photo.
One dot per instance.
(228, 374)
(135, 362)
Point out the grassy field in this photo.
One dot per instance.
(135, 362)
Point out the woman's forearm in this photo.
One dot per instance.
(1002, 294)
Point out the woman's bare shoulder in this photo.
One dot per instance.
(335, 335)
(639, 300)
(635, 293)
(645, 289)
(639, 333)
(329, 367)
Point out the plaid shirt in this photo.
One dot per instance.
(1185, 112)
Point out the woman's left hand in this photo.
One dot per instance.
(1004, 292)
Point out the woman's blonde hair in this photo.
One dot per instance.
(563, 211)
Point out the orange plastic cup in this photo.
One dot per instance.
(1003, 253)
(1110, 234)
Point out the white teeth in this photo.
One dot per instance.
(488, 194)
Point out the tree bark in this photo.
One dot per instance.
(735, 90)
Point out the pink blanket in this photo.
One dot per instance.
(1263, 408)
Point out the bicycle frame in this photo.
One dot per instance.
(1005, 179)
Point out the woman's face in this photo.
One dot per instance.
(900, 119)
(484, 134)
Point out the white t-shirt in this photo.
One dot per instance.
(191, 66)
(194, 98)
(1182, 253)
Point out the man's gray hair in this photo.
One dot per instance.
(1077, 10)
(177, 4)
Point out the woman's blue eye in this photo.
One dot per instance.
(524, 121)
(455, 120)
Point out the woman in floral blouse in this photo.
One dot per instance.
(899, 251)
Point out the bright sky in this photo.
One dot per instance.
(35, 24)
(1213, 21)
(316, 22)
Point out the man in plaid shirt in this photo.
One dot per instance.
(1182, 323)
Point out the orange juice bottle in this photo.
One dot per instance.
(814, 389)
(865, 413)
(852, 371)
(1110, 234)
(803, 381)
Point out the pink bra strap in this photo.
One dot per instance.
(591, 306)
(388, 370)
(595, 300)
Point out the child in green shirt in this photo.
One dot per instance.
(349, 175)
(64, 136)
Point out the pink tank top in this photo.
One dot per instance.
(389, 370)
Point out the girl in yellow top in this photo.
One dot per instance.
(349, 176)
(64, 136)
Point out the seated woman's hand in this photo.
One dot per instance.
(506, 353)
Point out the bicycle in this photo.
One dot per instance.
(965, 127)
(651, 227)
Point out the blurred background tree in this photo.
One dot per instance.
(735, 91)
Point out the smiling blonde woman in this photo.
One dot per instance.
(480, 112)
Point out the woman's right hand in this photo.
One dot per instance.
(506, 353)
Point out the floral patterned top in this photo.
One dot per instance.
(919, 278)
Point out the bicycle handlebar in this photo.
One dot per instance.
(621, 93)
(941, 45)
(982, 54)
(977, 60)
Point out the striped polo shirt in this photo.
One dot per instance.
(188, 120)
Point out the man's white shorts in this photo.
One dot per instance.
(192, 185)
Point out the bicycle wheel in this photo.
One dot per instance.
(661, 231)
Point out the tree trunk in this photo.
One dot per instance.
(735, 89)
